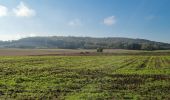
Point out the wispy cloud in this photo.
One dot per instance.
(3, 11)
(22, 10)
(110, 20)
(150, 17)
(75, 22)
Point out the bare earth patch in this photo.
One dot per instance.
(76, 52)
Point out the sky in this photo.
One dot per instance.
(145, 19)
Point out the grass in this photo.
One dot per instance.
(85, 77)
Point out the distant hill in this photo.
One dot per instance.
(84, 43)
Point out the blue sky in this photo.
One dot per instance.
(147, 19)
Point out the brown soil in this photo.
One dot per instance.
(75, 52)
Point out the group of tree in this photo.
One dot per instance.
(84, 43)
(143, 46)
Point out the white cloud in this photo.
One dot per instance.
(6, 37)
(75, 22)
(23, 11)
(110, 20)
(3, 11)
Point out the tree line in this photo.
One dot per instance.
(85, 43)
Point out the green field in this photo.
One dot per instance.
(85, 77)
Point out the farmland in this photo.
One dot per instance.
(85, 77)
(77, 52)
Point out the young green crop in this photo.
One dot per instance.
(85, 77)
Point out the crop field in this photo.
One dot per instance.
(85, 77)
(77, 52)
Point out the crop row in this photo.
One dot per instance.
(85, 77)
